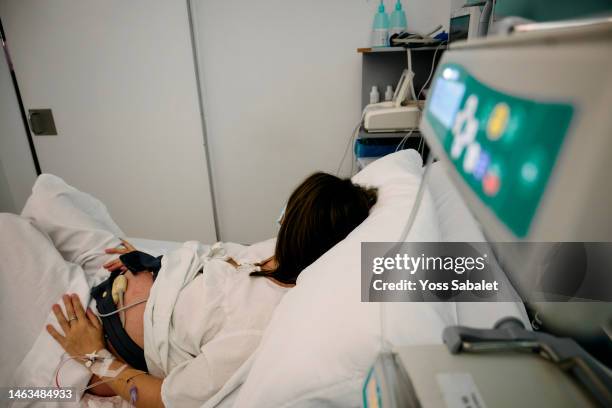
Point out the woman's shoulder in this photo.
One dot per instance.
(251, 254)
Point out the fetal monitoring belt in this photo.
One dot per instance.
(114, 332)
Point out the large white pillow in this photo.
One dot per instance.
(322, 339)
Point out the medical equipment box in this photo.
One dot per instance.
(387, 118)
(429, 376)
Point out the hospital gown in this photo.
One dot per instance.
(215, 322)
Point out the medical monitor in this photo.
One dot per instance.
(464, 23)
(523, 125)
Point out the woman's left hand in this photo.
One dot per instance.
(83, 331)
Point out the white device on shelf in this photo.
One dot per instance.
(393, 116)
(470, 21)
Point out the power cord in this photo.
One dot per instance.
(402, 142)
(385, 344)
(350, 143)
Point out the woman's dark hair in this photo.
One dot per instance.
(321, 212)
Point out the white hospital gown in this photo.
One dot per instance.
(216, 323)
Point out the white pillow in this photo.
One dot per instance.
(322, 339)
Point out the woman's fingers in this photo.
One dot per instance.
(124, 248)
(109, 264)
(70, 314)
(127, 245)
(55, 334)
(61, 319)
(93, 319)
(78, 307)
(116, 251)
(112, 265)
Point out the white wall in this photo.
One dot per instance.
(281, 83)
(17, 174)
(457, 4)
(120, 78)
(6, 198)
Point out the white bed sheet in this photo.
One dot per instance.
(153, 246)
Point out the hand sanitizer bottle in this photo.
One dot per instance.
(398, 20)
(389, 93)
(380, 28)
(374, 95)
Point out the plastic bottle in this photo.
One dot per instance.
(398, 20)
(374, 95)
(389, 93)
(380, 28)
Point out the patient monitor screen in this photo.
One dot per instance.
(459, 28)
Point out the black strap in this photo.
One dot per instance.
(137, 261)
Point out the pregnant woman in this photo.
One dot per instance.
(177, 328)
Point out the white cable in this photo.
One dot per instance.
(402, 142)
(122, 308)
(433, 64)
(122, 313)
(98, 383)
(350, 143)
(431, 71)
(421, 147)
(411, 73)
(417, 201)
(385, 344)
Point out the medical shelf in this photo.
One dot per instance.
(368, 50)
(383, 66)
(379, 49)
(383, 135)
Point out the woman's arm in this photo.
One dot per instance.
(83, 337)
(147, 387)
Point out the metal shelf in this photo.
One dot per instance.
(374, 50)
(381, 135)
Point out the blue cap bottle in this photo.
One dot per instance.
(380, 28)
(398, 20)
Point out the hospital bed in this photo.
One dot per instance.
(442, 217)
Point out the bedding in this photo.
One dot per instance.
(322, 339)
(33, 354)
(55, 247)
(68, 231)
